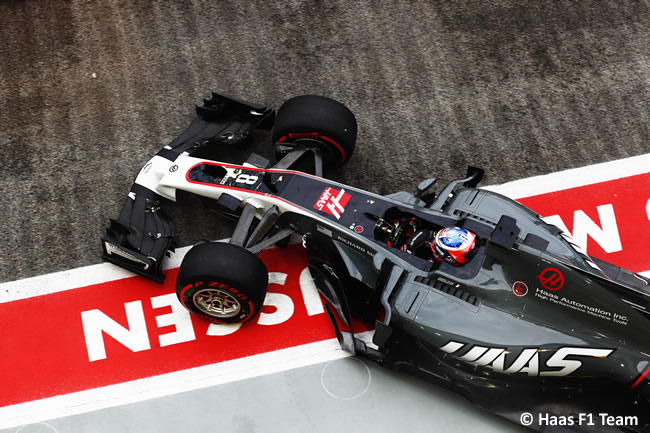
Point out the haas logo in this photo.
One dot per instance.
(551, 279)
(561, 363)
(332, 201)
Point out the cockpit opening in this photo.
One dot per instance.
(424, 239)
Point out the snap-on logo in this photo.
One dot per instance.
(332, 201)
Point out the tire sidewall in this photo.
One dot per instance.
(224, 267)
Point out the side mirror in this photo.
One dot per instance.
(425, 185)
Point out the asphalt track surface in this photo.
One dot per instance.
(90, 90)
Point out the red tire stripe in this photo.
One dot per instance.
(338, 146)
(297, 136)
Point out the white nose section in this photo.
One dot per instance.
(647, 209)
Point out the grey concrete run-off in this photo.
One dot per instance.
(90, 90)
(341, 396)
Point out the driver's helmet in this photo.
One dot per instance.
(454, 245)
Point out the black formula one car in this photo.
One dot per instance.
(505, 310)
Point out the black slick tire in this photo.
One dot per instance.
(316, 121)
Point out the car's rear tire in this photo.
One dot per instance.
(316, 121)
(222, 283)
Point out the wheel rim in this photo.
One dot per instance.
(216, 303)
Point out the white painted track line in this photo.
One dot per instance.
(73, 278)
(574, 177)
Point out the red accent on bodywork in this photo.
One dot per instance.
(248, 191)
(551, 278)
(223, 164)
(643, 375)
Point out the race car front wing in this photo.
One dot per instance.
(139, 239)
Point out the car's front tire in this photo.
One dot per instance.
(222, 283)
